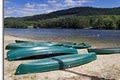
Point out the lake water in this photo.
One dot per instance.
(105, 35)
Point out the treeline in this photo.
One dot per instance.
(76, 22)
(18, 24)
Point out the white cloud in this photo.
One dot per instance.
(28, 5)
(58, 4)
(52, 1)
(28, 9)
(69, 1)
(41, 5)
(74, 3)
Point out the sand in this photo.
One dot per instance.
(106, 67)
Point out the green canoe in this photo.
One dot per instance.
(41, 44)
(56, 43)
(55, 63)
(27, 45)
(21, 41)
(38, 51)
(78, 46)
(105, 50)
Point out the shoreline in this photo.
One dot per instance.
(96, 43)
(64, 28)
(105, 67)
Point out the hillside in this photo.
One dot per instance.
(86, 14)
(77, 11)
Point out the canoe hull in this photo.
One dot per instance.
(55, 63)
(12, 46)
(21, 41)
(78, 46)
(38, 51)
(29, 44)
(105, 50)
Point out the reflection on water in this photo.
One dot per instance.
(105, 35)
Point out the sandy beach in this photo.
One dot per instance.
(106, 67)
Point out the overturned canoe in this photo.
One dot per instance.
(41, 44)
(78, 46)
(38, 51)
(22, 41)
(30, 44)
(56, 43)
(55, 63)
(105, 50)
(27, 45)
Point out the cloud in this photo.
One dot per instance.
(31, 9)
(28, 5)
(28, 9)
(58, 4)
(6, 1)
(34, 7)
(69, 1)
(51, 1)
(9, 10)
(75, 3)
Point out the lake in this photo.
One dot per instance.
(38, 34)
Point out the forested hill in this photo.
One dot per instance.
(78, 17)
(77, 11)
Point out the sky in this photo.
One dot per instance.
(20, 8)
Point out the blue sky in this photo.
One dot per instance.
(19, 8)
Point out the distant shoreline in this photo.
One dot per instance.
(61, 28)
